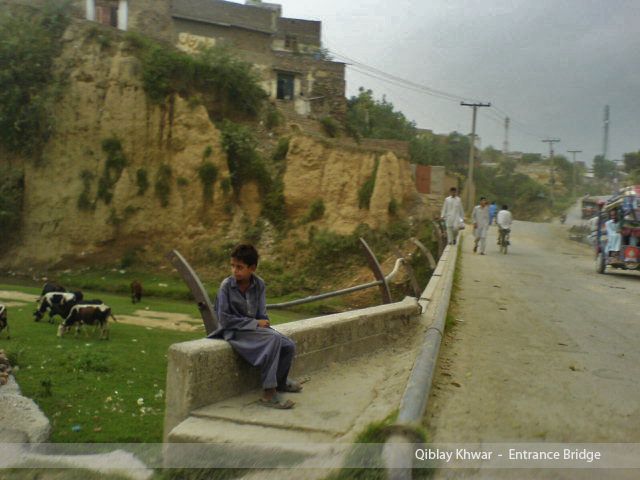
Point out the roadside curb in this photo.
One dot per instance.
(398, 454)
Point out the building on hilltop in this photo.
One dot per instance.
(287, 52)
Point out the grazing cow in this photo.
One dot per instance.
(136, 291)
(88, 314)
(51, 287)
(58, 303)
(4, 324)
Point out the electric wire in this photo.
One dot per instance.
(494, 114)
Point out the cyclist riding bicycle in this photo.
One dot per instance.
(504, 221)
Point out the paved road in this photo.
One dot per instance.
(545, 350)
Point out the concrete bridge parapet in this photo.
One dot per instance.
(202, 372)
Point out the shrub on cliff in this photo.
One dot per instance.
(245, 164)
(366, 190)
(225, 84)
(29, 43)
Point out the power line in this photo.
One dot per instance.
(431, 91)
(496, 116)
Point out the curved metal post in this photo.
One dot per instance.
(412, 276)
(426, 252)
(439, 237)
(377, 272)
(197, 290)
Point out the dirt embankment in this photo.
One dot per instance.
(103, 98)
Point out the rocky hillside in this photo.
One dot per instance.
(121, 174)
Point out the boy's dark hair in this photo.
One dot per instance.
(483, 198)
(505, 207)
(453, 189)
(246, 253)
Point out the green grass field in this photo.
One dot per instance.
(94, 390)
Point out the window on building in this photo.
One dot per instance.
(285, 86)
(107, 12)
(291, 42)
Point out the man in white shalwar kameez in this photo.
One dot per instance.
(614, 238)
(452, 214)
(480, 219)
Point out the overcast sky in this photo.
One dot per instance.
(551, 65)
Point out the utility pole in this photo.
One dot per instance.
(573, 187)
(605, 142)
(505, 145)
(471, 149)
(552, 179)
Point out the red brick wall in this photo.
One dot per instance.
(423, 178)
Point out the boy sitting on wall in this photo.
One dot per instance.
(242, 312)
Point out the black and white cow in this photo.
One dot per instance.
(51, 287)
(57, 303)
(4, 323)
(88, 314)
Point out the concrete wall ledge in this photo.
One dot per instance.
(205, 371)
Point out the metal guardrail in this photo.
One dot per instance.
(398, 452)
(344, 291)
(208, 313)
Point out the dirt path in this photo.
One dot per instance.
(545, 350)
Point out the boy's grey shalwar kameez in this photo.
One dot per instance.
(238, 314)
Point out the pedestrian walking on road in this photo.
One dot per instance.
(453, 215)
(480, 218)
(493, 209)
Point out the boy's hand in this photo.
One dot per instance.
(264, 323)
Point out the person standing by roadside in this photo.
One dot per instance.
(493, 209)
(452, 213)
(480, 218)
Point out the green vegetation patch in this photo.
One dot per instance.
(371, 118)
(273, 117)
(330, 126)
(281, 150)
(316, 211)
(366, 190)
(11, 198)
(214, 76)
(208, 174)
(245, 164)
(367, 452)
(96, 390)
(142, 181)
(113, 167)
(29, 44)
(163, 182)
(525, 197)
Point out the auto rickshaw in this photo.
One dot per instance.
(589, 207)
(626, 206)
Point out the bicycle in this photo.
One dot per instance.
(503, 239)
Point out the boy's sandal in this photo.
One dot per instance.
(277, 402)
(291, 387)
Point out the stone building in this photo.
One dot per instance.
(286, 51)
